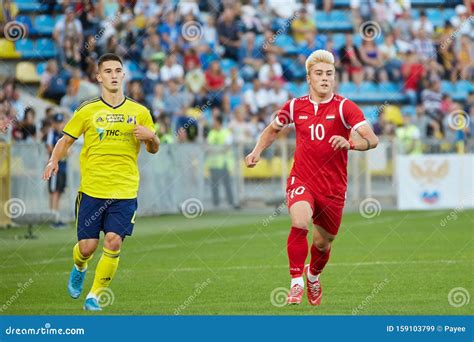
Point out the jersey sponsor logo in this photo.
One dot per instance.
(132, 119)
(303, 117)
(330, 117)
(101, 132)
(115, 118)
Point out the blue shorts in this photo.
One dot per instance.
(94, 215)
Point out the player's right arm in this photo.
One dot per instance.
(73, 130)
(270, 134)
(59, 152)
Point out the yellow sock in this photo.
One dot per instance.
(79, 260)
(105, 270)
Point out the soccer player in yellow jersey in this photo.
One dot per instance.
(113, 127)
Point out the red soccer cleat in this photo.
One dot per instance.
(295, 295)
(315, 291)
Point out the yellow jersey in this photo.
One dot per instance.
(108, 158)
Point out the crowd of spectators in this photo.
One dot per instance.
(199, 60)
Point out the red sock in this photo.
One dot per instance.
(318, 260)
(297, 247)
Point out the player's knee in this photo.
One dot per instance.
(300, 222)
(322, 244)
(87, 250)
(113, 242)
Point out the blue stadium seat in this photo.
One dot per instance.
(44, 24)
(409, 110)
(28, 5)
(339, 40)
(285, 41)
(347, 89)
(371, 113)
(342, 3)
(25, 47)
(227, 64)
(415, 13)
(247, 86)
(447, 87)
(341, 20)
(134, 70)
(448, 13)
(435, 16)
(461, 90)
(26, 20)
(426, 2)
(41, 67)
(45, 48)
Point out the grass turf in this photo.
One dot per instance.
(398, 263)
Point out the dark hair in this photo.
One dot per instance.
(109, 57)
(219, 119)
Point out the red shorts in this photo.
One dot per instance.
(327, 211)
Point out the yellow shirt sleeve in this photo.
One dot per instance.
(76, 126)
(147, 121)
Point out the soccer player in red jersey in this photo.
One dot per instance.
(316, 187)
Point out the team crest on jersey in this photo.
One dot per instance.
(132, 119)
(115, 118)
(330, 117)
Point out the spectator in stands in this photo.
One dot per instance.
(390, 60)
(308, 5)
(191, 60)
(219, 161)
(256, 98)
(249, 18)
(152, 47)
(113, 46)
(408, 138)
(434, 72)
(240, 127)
(195, 78)
(423, 23)
(233, 97)
(234, 77)
(171, 70)
(373, 61)
(89, 18)
(156, 100)
(108, 9)
(89, 55)
(215, 82)
(71, 54)
(383, 14)
(169, 32)
(68, 27)
(176, 100)
(188, 7)
(269, 43)
(148, 8)
(412, 73)
(351, 61)
(405, 26)
(229, 34)
(277, 94)
(431, 98)
(52, 84)
(464, 58)
(302, 25)
(271, 71)
(447, 104)
(152, 78)
(135, 92)
(312, 42)
(424, 45)
(70, 100)
(26, 129)
(57, 183)
(250, 57)
(462, 22)
(209, 33)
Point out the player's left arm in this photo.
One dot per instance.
(353, 118)
(147, 134)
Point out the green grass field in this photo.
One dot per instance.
(398, 263)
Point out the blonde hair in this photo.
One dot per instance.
(319, 56)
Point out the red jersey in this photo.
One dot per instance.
(316, 164)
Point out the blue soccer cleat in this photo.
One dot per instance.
(76, 279)
(91, 304)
